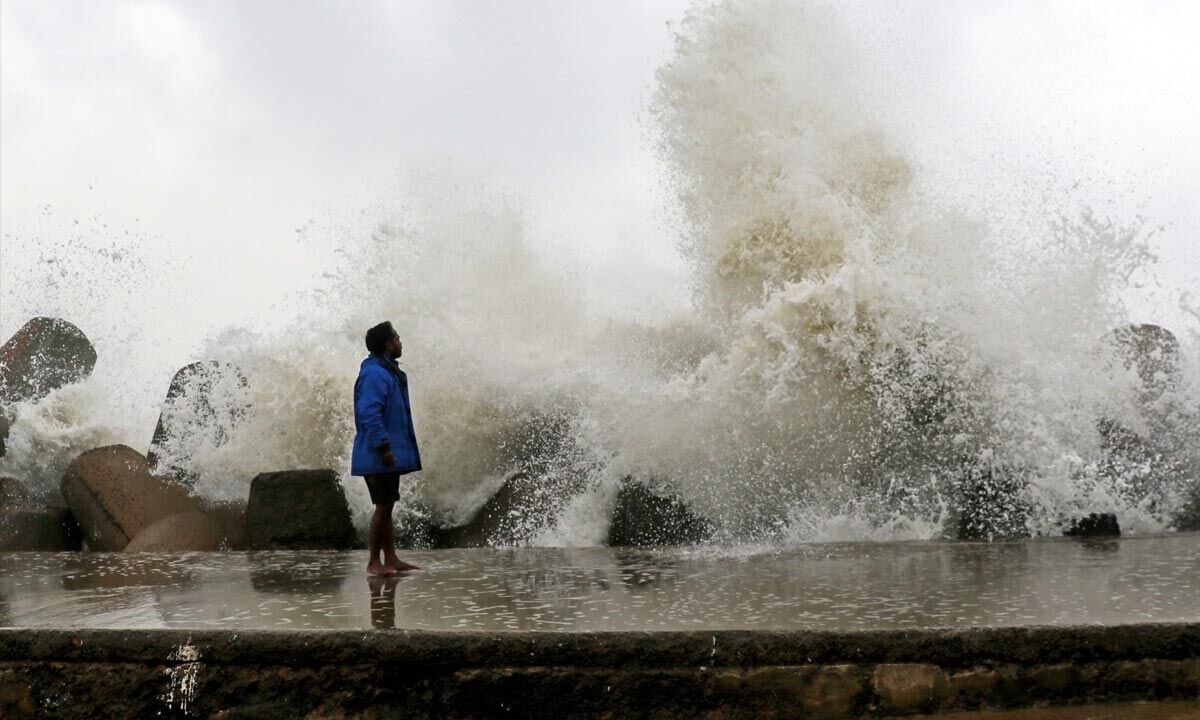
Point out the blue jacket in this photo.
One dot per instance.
(382, 420)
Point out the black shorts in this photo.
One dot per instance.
(384, 489)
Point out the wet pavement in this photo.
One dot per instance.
(820, 587)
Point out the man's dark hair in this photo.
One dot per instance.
(378, 336)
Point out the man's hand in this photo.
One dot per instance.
(389, 458)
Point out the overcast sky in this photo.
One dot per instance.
(199, 135)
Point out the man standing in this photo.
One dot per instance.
(385, 445)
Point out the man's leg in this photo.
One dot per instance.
(390, 561)
(377, 539)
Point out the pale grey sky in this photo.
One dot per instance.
(192, 138)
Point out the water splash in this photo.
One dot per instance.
(862, 359)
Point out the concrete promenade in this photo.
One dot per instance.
(856, 630)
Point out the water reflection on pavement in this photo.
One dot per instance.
(828, 587)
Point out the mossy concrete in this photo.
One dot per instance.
(727, 674)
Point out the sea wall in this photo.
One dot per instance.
(725, 674)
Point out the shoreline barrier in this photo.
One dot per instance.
(719, 674)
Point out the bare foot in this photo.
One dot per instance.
(396, 565)
(377, 568)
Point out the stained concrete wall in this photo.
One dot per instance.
(728, 674)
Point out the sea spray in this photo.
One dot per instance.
(491, 345)
(881, 353)
(862, 360)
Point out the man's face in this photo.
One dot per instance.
(395, 347)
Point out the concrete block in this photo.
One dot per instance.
(906, 688)
(47, 529)
(114, 496)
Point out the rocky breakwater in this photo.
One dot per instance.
(45, 354)
(1146, 455)
(524, 505)
(298, 510)
(204, 403)
(546, 471)
(121, 504)
(644, 514)
(118, 499)
(4, 426)
(114, 496)
(26, 525)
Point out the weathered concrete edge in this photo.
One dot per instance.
(947, 648)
